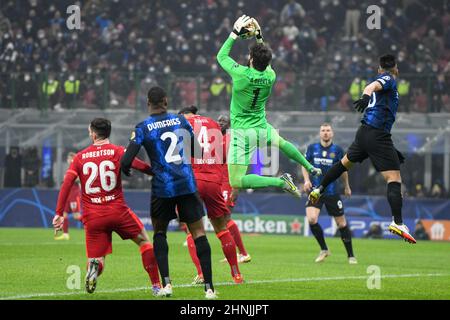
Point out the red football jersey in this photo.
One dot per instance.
(98, 168)
(210, 138)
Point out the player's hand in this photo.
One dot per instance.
(362, 103)
(58, 222)
(240, 24)
(315, 171)
(348, 191)
(307, 186)
(258, 32)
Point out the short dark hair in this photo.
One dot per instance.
(261, 55)
(191, 109)
(101, 127)
(156, 96)
(387, 61)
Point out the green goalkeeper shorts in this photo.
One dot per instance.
(244, 142)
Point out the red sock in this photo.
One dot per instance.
(66, 225)
(234, 230)
(193, 254)
(150, 264)
(229, 249)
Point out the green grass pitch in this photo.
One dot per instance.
(34, 266)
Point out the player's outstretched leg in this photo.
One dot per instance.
(332, 175)
(193, 253)
(239, 180)
(394, 196)
(94, 270)
(244, 257)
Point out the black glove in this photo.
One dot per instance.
(361, 104)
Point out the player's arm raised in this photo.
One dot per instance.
(362, 103)
(223, 56)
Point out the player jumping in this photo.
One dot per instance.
(324, 154)
(104, 207)
(208, 174)
(72, 205)
(230, 194)
(163, 136)
(252, 86)
(379, 104)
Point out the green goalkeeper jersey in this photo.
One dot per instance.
(251, 90)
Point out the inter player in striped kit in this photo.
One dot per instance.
(323, 155)
(230, 194)
(73, 204)
(373, 140)
(208, 174)
(168, 140)
(104, 207)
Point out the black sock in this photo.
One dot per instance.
(346, 236)
(332, 175)
(394, 196)
(317, 231)
(204, 255)
(161, 249)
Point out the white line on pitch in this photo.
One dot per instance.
(73, 293)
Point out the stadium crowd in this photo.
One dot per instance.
(323, 51)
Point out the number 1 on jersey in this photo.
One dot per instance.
(255, 97)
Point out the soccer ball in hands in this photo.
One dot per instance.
(248, 31)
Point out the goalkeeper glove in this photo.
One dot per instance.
(258, 32)
(239, 26)
(315, 171)
(362, 103)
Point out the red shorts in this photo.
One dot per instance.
(211, 194)
(226, 194)
(99, 232)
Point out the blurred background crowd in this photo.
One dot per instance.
(323, 52)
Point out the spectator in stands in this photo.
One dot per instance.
(439, 89)
(403, 91)
(220, 92)
(27, 95)
(420, 232)
(375, 231)
(352, 16)
(293, 10)
(13, 169)
(420, 191)
(71, 91)
(31, 163)
(356, 88)
(437, 190)
(50, 91)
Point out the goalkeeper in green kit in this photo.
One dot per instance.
(252, 86)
